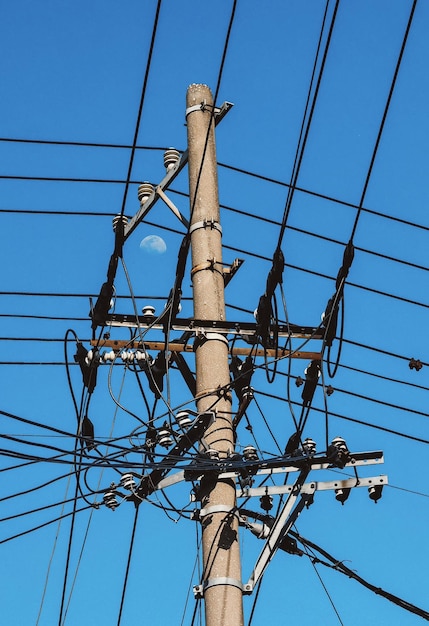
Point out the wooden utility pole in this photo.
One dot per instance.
(221, 585)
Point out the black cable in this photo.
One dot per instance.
(31, 530)
(80, 144)
(343, 569)
(383, 121)
(323, 196)
(306, 123)
(127, 571)
(350, 419)
(45, 507)
(32, 489)
(140, 111)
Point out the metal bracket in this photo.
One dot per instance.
(201, 336)
(199, 590)
(229, 272)
(171, 206)
(348, 483)
(212, 224)
(279, 529)
(218, 112)
(218, 508)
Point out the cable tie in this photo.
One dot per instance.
(208, 265)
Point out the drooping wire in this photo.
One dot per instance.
(331, 312)
(339, 566)
(266, 310)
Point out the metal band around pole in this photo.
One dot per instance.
(199, 590)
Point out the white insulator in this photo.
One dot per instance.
(128, 482)
(340, 443)
(109, 356)
(318, 372)
(164, 438)
(183, 419)
(309, 446)
(140, 355)
(127, 356)
(88, 357)
(171, 156)
(212, 453)
(144, 191)
(148, 311)
(92, 355)
(118, 219)
(259, 530)
(110, 500)
(250, 453)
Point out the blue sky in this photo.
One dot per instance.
(72, 73)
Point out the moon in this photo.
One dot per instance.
(152, 244)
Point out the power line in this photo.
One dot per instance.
(383, 120)
(142, 98)
(81, 144)
(348, 419)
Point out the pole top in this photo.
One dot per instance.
(197, 93)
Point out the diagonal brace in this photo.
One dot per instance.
(281, 527)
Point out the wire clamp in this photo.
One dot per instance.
(212, 224)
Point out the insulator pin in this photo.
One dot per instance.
(375, 492)
(342, 494)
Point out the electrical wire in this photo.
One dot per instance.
(339, 566)
(310, 107)
(142, 99)
(384, 117)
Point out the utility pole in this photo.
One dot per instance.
(221, 586)
(218, 467)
